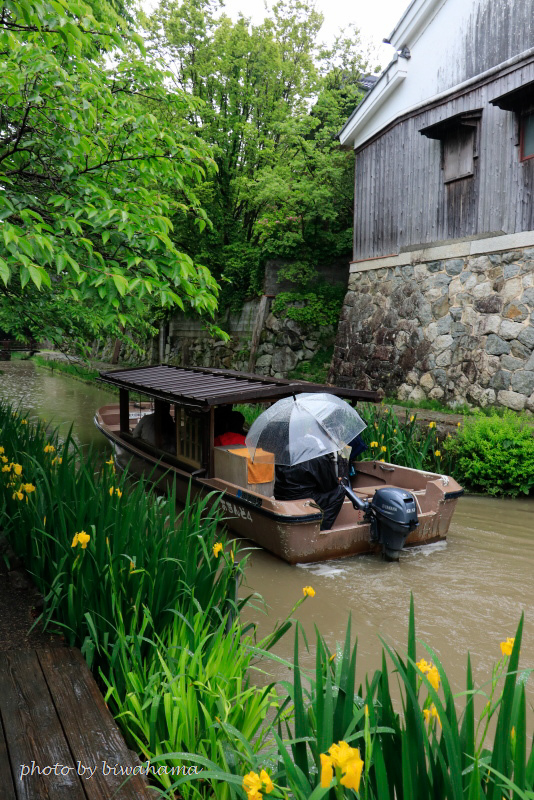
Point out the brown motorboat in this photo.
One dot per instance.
(410, 506)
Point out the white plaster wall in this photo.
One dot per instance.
(460, 37)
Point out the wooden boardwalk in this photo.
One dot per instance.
(58, 741)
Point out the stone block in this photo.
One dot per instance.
(441, 308)
(480, 264)
(530, 403)
(511, 289)
(440, 377)
(468, 280)
(511, 255)
(403, 392)
(455, 313)
(457, 329)
(501, 380)
(417, 394)
(454, 266)
(511, 400)
(528, 280)
(284, 360)
(483, 289)
(455, 286)
(509, 362)
(510, 270)
(495, 258)
(427, 381)
(490, 324)
(444, 325)
(413, 378)
(437, 393)
(470, 317)
(526, 336)
(420, 271)
(495, 272)
(435, 266)
(528, 297)
(523, 382)
(442, 343)
(444, 359)
(517, 312)
(496, 346)
(519, 350)
(489, 305)
(510, 330)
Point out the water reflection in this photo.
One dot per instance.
(55, 398)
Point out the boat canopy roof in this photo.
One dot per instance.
(201, 386)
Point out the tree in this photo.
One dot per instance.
(90, 176)
(272, 104)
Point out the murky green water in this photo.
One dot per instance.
(469, 591)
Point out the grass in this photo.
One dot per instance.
(74, 369)
(335, 738)
(316, 370)
(132, 582)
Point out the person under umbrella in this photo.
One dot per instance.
(303, 433)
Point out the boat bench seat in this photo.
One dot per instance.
(233, 467)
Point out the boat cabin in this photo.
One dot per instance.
(192, 396)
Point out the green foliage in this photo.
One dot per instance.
(272, 104)
(426, 752)
(91, 177)
(76, 370)
(494, 454)
(315, 370)
(145, 596)
(405, 443)
(319, 307)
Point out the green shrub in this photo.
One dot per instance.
(315, 308)
(494, 454)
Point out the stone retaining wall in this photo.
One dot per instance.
(455, 329)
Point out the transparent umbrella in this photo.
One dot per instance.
(303, 427)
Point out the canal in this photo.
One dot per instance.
(469, 591)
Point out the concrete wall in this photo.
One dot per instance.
(454, 323)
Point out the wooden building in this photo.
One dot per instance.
(444, 145)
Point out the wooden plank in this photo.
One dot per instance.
(33, 732)
(7, 788)
(91, 731)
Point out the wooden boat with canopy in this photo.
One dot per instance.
(289, 529)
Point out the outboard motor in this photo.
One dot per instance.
(392, 514)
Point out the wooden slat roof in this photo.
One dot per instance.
(211, 387)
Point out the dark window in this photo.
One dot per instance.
(521, 102)
(458, 137)
(527, 136)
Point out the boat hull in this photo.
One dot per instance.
(291, 529)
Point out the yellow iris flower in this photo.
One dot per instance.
(17, 469)
(308, 591)
(217, 547)
(82, 538)
(507, 647)
(383, 448)
(348, 760)
(431, 424)
(431, 712)
(28, 487)
(433, 677)
(255, 784)
(2, 451)
(50, 448)
(437, 453)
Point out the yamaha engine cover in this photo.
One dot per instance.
(393, 517)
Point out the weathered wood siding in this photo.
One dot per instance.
(401, 199)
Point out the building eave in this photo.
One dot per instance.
(352, 132)
(416, 17)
